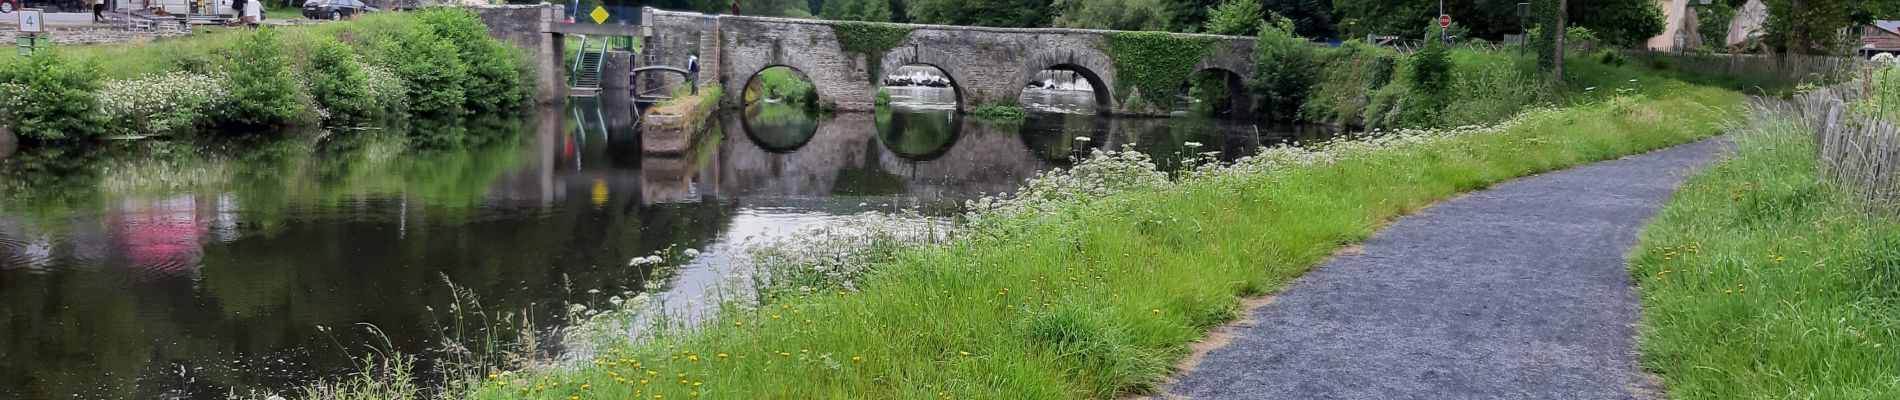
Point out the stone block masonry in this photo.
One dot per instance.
(986, 65)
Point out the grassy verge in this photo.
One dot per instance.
(694, 109)
(1761, 281)
(194, 52)
(1094, 294)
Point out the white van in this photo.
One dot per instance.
(220, 8)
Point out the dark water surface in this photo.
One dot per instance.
(193, 270)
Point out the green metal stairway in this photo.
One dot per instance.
(585, 78)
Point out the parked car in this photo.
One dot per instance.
(334, 9)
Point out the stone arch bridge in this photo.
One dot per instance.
(985, 65)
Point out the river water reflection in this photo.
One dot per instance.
(192, 270)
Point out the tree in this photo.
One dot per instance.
(1810, 26)
(1619, 22)
(1235, 17)
(999, 13)
(1187, 15)
(857, 10)
(772, 8)
(1311, 18)
(1287, 64)
(1127, 15)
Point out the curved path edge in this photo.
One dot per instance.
(1519, 291)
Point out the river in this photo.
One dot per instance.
(196, 269)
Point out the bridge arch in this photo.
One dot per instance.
(757, 78)
(1239, 103)
(1093, 65)
(943, 61)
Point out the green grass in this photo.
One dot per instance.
(1759, 281)
(1101, 296)
(130, 60)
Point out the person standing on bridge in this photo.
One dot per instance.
(735, 8)
(692, 71)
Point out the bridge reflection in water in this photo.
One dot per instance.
(190, 270)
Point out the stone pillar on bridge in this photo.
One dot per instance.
(529, 27)
(616, 74)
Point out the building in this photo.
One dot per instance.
(1880, 37)
(1680, 22)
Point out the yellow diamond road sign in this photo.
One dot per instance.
(599, 15)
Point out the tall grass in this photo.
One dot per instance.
(1094, 287)
(1762, 281)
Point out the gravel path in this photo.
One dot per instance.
(1516, 292)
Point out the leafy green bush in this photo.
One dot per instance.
(1347, 79)
(1234, 17)
(1383, 68)
(1611, 57)
(1431, 79)
(431, 69)
(385, 89)
(495, 72)
(263, 90)
(338, 83)
(1005, 111)
(173, 102)
(48, 97)
(883, 97)
(1287, 65)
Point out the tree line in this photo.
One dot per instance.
(1812, 26)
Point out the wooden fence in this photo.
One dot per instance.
(1858, 153)
(1766, 69)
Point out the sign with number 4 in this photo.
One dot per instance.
(32, 21)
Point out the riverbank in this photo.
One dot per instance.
(439, 62)
(1093, 282)
(1761, 280)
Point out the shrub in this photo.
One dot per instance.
(1431, 78)
(1001, 112)
(495, 72)
(263, 91)
(338, 83)
(1487, 93)
(883, 97)
(1288, 63)
(431, 69)
(1347, 79)
(49, 98)
(1612, 58)
(1383, 68)
(167, 103)
(385, 88)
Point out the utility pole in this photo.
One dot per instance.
(1523, 29)
(1563, 11)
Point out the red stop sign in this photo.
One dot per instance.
(1444, 21)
